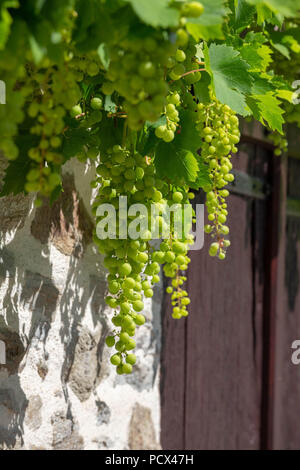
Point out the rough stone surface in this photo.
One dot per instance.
(65, 434)
(58, 389)
(103, 415)
(142, 431)
(13, 212)
(33, 417)
(84, 371)
(66, 223)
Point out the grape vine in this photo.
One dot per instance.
(153, 98)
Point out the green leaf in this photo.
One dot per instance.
(6, 20)
(199, 32)
(203, 180)
(261, 85)
(187, 137)
(244, 15)
(285, 8)
(156, 12)
(266, 109)
(258, 57)
(103, 53)
(74, 141)
(201, 88)
(38, 52)
(230, 76)
(55, 194)
(15, 176)
(111, 132)
(179, 165)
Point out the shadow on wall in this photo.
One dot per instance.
(30, 301)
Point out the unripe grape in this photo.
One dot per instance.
(125, 269)
(129, 283)
(177, 197)
(76, 110)
(120, 369)
(131, 359)
(138, 305)
(180, 55)
(148, 293)
(110, 341)
(127, 368)
(115, 360)
(213, 250)
(193, 9)
(124, 338)
(130, 345)
(139, 319)
(96, 103)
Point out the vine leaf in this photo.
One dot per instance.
(230, 76)
(15, 176)
(6, 20)
(103, 53)
(188, 137)
(286, 8)
(201, 88)
(244, 15)
(156, 13)
(266, 108)
(203, 180)
(175, 163)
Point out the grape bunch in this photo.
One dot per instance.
(55, 91)
(167, 131)
(219, 128)
(137, 72)
(184, 63)
(280, 142)
(133, 263)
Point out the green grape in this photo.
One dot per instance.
(131, 359)
(110, 341)
(217, 124)
(193, 9)
(96, 103)
(115, 360)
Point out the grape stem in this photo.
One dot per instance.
(80, 115)
(188, 73)
(192, 71)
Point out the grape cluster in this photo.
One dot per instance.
(184, 63)
(280, 142)
(137, 73)
(133, 264)
(54, 91)
(167, 131)
(219, 128)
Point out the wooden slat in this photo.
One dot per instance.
(173, 371)
(223, 397)
(287, 391)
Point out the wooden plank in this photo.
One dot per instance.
(287, 391)
(270, 305)
(223, 395)
(246, 185)
(173, 371)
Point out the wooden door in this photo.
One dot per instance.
(217, 363)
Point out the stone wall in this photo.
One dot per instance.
(57, 389)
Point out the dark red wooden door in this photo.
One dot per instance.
(214, 362)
